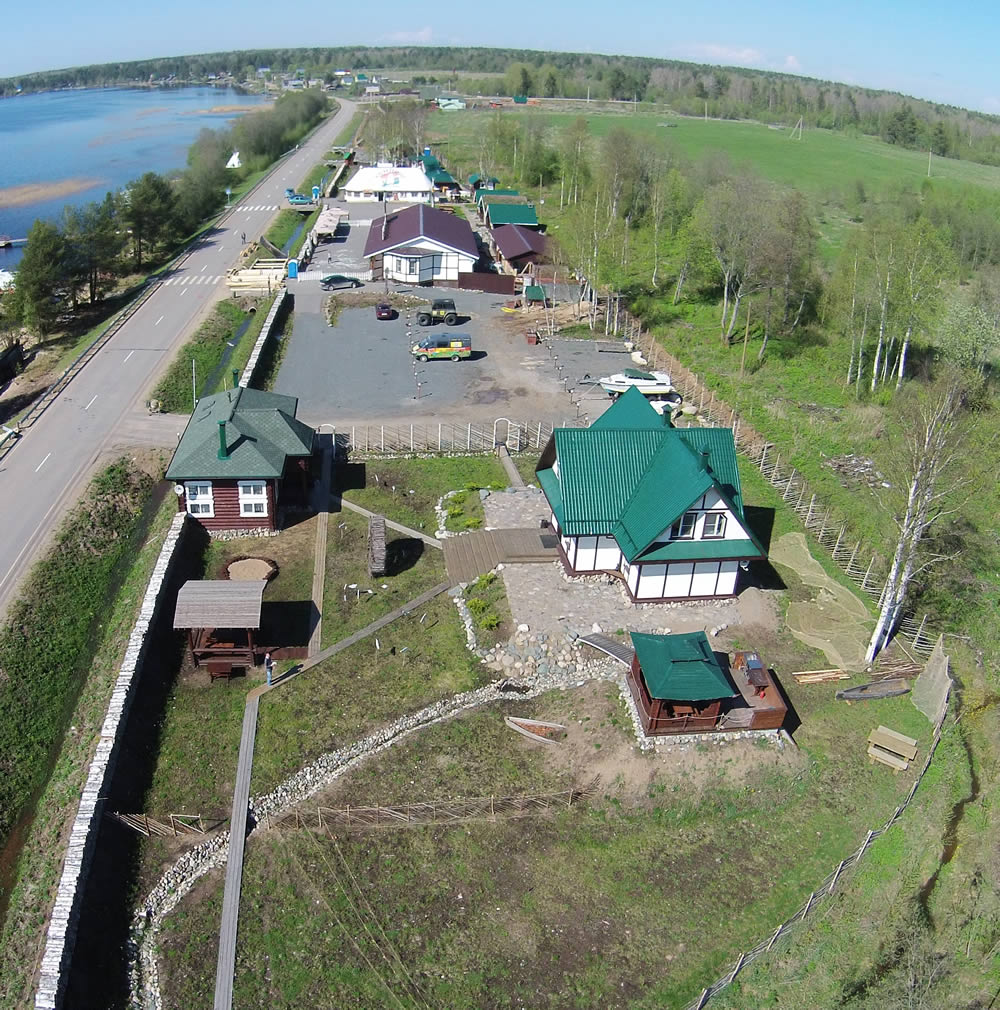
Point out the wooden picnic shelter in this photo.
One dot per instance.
(677, 683)
(220, 617)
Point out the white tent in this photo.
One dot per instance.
(234, 161)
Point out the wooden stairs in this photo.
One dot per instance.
(473, 554)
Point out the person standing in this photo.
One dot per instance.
(268, 667)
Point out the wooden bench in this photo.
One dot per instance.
(891, 748)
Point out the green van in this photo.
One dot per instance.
(455, 346)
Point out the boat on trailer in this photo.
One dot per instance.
(656, 384)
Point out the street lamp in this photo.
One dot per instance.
(229, 193)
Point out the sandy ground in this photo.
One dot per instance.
(36, 192)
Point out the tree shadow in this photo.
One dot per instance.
(795, 343)
(402, 554)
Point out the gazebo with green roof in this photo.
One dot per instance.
(677, 683)
(242, 451)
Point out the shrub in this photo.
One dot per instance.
(477, 606)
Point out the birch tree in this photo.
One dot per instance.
(931, 440)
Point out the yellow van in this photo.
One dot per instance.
(455, 346)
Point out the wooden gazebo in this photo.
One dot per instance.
(677, 683)
(220, 617)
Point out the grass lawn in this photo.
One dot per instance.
(416, 486)
(223, 342)
(412, 568)
(561, 910)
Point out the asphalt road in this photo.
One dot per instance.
(46, 471)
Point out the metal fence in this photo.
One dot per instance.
(470, 437)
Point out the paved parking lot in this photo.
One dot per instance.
(361, 370)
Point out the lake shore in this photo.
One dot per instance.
(38, 192)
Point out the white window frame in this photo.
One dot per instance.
(677, 530)
(250, 499)
(199, 499)
(718, 519)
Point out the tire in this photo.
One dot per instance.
(421, 357)
(454, 357)
(451, 319)
(423, 320)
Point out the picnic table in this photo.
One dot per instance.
(891, 748)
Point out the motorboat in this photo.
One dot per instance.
(656, 384)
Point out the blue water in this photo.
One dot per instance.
(109, 136)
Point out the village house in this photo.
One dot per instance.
(495, 213)
(656, 506)
(421, 245)
(385, 182)
(516, 248)
(242, 452)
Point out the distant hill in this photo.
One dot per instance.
(691, 88)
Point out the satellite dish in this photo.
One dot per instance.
(178, 489)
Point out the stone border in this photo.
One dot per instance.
(83, 836)
(265, 332)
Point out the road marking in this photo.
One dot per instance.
(89, 405)
(184, 292)
(129, 355)
(204, 268)
(158, 321)
(40, 465)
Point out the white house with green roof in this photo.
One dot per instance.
(241, 453)
(657, 506)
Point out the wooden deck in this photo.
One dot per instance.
(473, 554)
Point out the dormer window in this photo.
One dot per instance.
(683, 529)
(715, 526)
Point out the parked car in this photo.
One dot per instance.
(384, 311)
(441, 309)
(332, 281)
(458, 345)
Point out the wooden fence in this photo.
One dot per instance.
(823, 892)
(863, 565)
(454, 811)
(175, 824)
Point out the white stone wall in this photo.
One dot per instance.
(265, 332)
(66, 912)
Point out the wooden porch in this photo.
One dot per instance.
(473, 554)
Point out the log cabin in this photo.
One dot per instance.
(242, 452)
(658, 507)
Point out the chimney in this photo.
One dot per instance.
(223, 448)
(236, 378)
(703, 452)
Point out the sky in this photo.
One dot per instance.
(943, 52)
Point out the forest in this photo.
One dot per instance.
(688, 88)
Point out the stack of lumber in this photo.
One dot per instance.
(818, 676)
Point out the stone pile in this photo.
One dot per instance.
(83, 834)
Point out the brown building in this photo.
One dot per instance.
(242, 452)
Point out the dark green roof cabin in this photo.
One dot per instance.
(235, 455)
(658, 506)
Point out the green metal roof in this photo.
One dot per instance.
(476, 177)
(261, 432)
(430, 163)
(703, 550)
(631, 475)
(681, 667)
(631, 410)
(441, 176)
(486, 195)
(512, 213)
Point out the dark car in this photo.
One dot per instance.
(384, 311)
(332, 281)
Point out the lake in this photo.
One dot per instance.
(89, 142)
